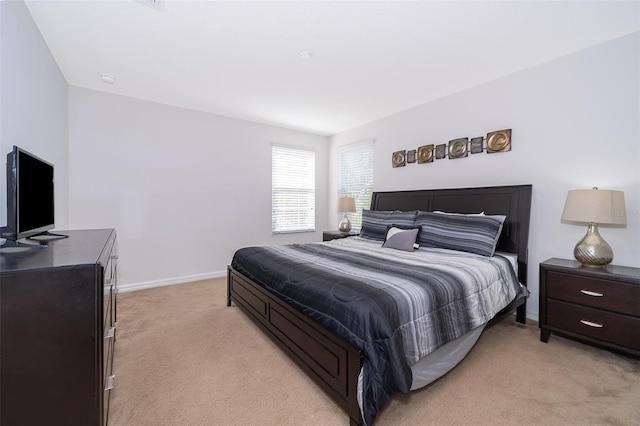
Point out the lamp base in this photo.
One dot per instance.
(592, 250)
(345, 225)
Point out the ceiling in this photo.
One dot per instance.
(369, 59)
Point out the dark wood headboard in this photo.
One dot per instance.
(512, 201)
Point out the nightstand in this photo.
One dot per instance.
(334, 235)
(597, 306)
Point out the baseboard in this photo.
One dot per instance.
(171, 281)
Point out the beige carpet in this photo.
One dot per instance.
(184, 358)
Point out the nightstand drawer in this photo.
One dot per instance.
(612, 296)
(604, 326)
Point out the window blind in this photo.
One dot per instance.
(293, 190)
(355, 163)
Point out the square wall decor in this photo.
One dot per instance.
(425, 154)
(399, 158)
(458, 148)
(499, 141)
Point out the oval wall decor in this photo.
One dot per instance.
(425, 154)
(458, 148)
(499, 141)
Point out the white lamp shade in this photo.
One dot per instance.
(346, 204)
(595, 206)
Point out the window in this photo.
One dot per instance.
(355, 177)
(293, 190)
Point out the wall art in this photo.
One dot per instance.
(458, 148)
(476, 145)
(398, 159)
(411, 156)
(499, 141)
(425, 154)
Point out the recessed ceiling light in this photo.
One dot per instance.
(305, 54)
(107, 78)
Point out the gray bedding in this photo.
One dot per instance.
(396, 306)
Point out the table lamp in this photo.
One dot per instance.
(594, 206)
(345, 205)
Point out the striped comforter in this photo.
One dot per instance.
(396, 306)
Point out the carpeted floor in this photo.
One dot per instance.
(184, 358)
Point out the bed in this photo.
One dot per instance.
(361, 372)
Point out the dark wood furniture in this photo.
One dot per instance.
(334, 235)
(330, 361)
(597, 306)
(58, 323)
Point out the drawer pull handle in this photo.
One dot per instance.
(591, 293)
(591, 324)
(109, 383)
(110, 333)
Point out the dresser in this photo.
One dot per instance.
(596, 306)
(58, 323)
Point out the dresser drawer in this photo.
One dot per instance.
(107, 356)
(598, 324)
(107, 308)
(609, 295)
(108, 377)
(108, 339)
(111, 278)
(109, 271)
(109, 383)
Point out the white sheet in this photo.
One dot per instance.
(443, 359)
(513, 258)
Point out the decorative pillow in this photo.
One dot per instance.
(375, 222)
(401, 238)
(474, 234)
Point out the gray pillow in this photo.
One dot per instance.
(400, 238)
(376, 222)
(474, 234)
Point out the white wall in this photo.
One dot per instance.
(184, 189)
(575, 122)
(33, 102)
(175, 182)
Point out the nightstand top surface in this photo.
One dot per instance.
(608, 272)
(350, 233)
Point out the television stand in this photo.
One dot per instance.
(41, 239)
(47, 236)
(16, 244)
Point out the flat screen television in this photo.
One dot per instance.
(30, 196)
